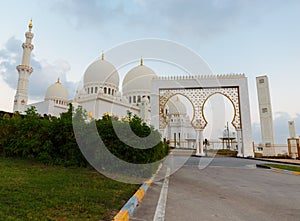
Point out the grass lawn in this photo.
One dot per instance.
(284, 167)
(33, 191)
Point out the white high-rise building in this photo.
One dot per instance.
(265, 113)
(25, 71)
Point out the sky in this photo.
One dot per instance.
(233, 36)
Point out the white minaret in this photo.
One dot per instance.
(265, 112)
(24, 70)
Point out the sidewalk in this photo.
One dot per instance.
(287, 161)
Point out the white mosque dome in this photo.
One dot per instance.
(138, 79)
(57, 91)
(176, 106)
(101, 71)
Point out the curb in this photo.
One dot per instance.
(285, 171)
(127, 210)
(274, 161)
(278, 170)
(262, 166)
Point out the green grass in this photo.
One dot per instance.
(284, 167)
(33, 191)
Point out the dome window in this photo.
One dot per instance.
(92, 90)
(139, 99)
(129, 99)
(134, 99)
(108, 90)
(96, 90)
(105, 89)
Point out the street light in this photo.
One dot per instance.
(228, 136)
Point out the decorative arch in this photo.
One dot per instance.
(166, 101)
(234, 108)
(198, 97)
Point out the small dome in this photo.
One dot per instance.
(230, 135)
(176, 106)
(138, 79)
(57, 91)
(101, 71)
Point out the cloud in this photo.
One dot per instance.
(281, 129)
(44, 74)
(190, 19)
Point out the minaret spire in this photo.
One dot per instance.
(30, 25)
(102, 55)
(141, 61)
(24, 70)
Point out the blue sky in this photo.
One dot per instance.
(233, 36)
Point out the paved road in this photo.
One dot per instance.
(228, 189)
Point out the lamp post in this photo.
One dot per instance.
(228, 136)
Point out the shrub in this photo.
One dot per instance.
(51, 140)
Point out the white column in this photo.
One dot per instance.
(239, 135)
(199, 142)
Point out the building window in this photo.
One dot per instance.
(149, 98)
(130, 99)
(134, 99)
(139, 99)
(261, 81)
(108, 90)
(92, 90)
(112, 92)
(96, 89)
(88, 90)
(265, 110)
(105, 90)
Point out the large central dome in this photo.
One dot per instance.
(138, 79)
(101, 71)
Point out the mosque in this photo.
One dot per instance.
(101, 94)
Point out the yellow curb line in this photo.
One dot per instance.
(139, 194)
(123, 214)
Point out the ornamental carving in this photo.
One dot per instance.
(198, 97)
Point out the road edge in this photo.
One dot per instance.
(127, 210)
(277, 169)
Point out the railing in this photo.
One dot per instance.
(276, 150)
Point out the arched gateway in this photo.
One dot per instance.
(198, 89)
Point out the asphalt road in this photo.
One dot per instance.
(222, 189)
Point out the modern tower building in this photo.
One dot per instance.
(265, 112)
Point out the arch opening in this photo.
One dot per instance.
(178, 113)
(219, 113)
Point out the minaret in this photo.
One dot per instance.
(24, 70)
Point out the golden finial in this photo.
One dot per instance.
(90, 114)
(30, 24)
(141, 61)
(102, 55)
